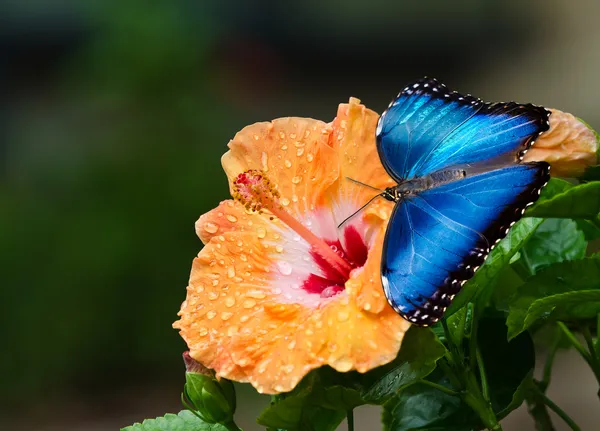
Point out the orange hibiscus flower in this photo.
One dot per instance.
(279, 290)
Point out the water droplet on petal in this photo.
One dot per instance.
(215, 282)
(258, 294)
(229, 301)
(261, 232)
(249, 303)
(231, 272)
(297, 179)
(288, 368)
(299, 152)
(211, 227)
(285, 202)
(265, 160)
(279, 249)
(231, 218)
(225, 315)
(202, 331)
(284, 267)
(343, 315)
(213, 295)
(343, 364)
(211, 314)
(309, 157)
(287, 163)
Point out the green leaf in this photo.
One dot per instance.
(417, 358)
(298, 412)
(457, 324)
(421, 407)
(498, 259)
(183, 421)
(582, 304)
(518, 397)
(582, 201)
(590, 228)
(507, 284)
(555, 240)
(565, 290)
(312, 405)
(338, 398)
(554, 187)
(507, 363)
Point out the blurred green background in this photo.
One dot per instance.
(113, 117)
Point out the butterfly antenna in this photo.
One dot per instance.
(360, 209)
(363, 184)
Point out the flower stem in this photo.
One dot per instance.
(594, 361)
(441, 388)
(559, 412)
(482, 375)
(474, 399)
(575, 343)
(350, 419)
(538, 411)
(549, 363)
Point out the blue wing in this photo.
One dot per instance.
(428, 128)
(437, 239)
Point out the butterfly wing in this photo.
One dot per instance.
(428, 128)
(437, 239)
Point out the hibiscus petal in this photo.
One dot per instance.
(570, 146)
(295, 155)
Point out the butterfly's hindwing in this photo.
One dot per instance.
(437, 239)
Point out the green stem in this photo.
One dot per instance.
(549, 363)
(231, 426)
(456, 359)
(596, 222)
(473, 398)
(576, 344)
(449, 372)
(538, 411)
(594, 362)
(473, 339)
(350, 418)
(442, 388)
(559, 412)
(482, 375)
(587, 336)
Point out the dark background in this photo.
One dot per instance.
(113, 117)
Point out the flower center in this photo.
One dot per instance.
(256, 192)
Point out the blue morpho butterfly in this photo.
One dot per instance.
(461, 186)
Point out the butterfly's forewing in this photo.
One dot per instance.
(428, 128)
(438, 238)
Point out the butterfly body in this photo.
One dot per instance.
(460, 187)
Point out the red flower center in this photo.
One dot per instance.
(355, 253)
